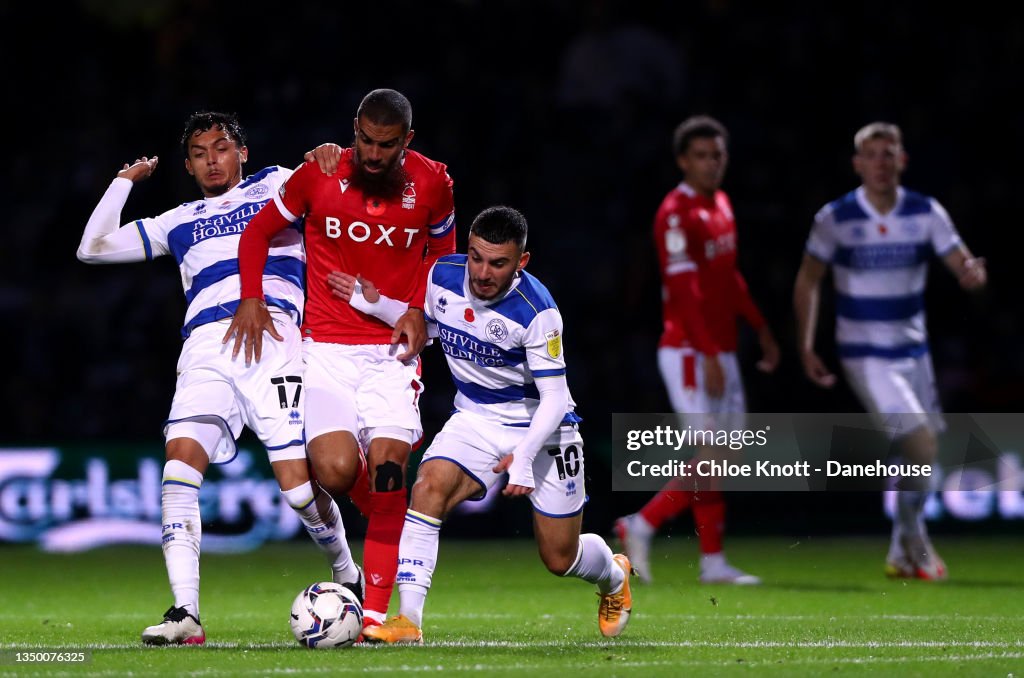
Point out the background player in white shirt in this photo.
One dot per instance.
(502, 336)
(215, 394)
(878, 240)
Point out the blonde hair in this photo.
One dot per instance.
(877, 130)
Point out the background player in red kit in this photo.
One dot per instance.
(702, 294)
(386, 213)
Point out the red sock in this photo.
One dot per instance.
(380, 550)
(667, 504)
(359, 494)
(709, 518)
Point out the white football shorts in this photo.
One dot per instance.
(362, 389)
(905, 386)
(267, 396)
(682, 370)
(476, 445)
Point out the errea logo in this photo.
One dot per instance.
(360, 231)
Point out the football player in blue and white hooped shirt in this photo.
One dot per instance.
(217, 394)
(878, 240)
(502, 336)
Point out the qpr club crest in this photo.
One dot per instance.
(496, 331)
(257, 191)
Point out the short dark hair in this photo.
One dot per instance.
(202, 121)
(386, 107)
(499, 225)
(697, 127)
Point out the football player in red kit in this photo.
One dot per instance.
(703, 293)
(386, 213)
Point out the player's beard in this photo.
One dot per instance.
(387, 185)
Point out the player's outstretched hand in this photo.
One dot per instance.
(328, 156)
(511, 490)
(251, 319)
(413, 325)
(770, 355)
(973, 276)
(140, 170)
(344, 286)
(816, 371)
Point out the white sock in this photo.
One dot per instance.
(712, 560)
(379, 617)
(910, 512)
(895, 544)
(417, 558)
(594, 564)
(319, 514)
(182, 532)
(639, 525)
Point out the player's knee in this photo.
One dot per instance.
(388, 476)
(426, 487)
(558, 557)
(188, 451)
(429, 490)
(335, 474)
(557, 562)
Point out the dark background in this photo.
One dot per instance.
(561, 109)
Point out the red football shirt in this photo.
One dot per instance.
(393, 243)
(702, 290)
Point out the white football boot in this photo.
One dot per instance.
(177, 628)
(715, 569)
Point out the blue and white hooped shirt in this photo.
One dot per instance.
(880, 268)
(203, 236)
(496, 350)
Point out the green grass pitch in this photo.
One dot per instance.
(824, 609)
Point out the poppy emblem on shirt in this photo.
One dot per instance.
(882, 229)
(469, 315)
(374, 207)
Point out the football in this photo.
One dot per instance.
(326, 615)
